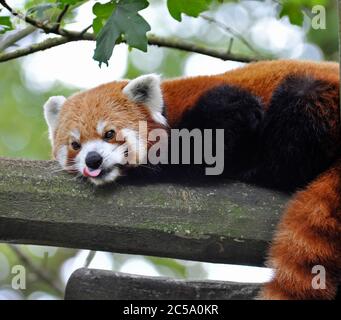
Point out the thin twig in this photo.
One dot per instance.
(41, 274)
(61, 16)
(89, 258)
(231, 31)
(229, 49)
(13, 37)
(85, 30)
(184, 45)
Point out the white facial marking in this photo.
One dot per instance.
(61, 156)
(100, 127)
(112, 154)
(110, 177)
(52, 109)
(75, 134)
(137, 146)
(159, 118)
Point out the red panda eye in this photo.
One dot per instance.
(109, 135)
(75, 145)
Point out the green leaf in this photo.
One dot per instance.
(97, 25)
(171, 264)
(5, 24)
(102, 13)
(40, 9)
(293, 10)
(124, 22)
(33, 3)
(70, 2)
(103, 10)
(189, 7)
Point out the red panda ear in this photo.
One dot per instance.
(52, 109)
(147, 90)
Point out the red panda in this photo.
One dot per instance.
(281, 124)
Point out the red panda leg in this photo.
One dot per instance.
(306, 252)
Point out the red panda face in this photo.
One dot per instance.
(97, 133)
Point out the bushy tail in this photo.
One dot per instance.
(306, 252)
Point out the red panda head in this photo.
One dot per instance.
(96, 132)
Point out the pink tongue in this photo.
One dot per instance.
(93, 173)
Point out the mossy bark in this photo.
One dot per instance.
(227, 222)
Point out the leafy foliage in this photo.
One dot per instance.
(102, 13)
(120, 20)
(189, 7)
(20, 108)
(40, 9)
(70, 2)
(294, 9)
(5, 24)
(125, 23)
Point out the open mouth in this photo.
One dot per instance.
(92, 173)
(100, 172)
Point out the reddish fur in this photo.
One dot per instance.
(106, 102)
(308, 235)
(261, 78)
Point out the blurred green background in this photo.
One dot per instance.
(26, 83)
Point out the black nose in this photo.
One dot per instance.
(93, 160)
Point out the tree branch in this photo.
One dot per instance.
(184, 45)
(14, 37)
(173, 43)
(46, 44)
(27, 19)
(61, 16)
(41, 25)
(69, 36)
